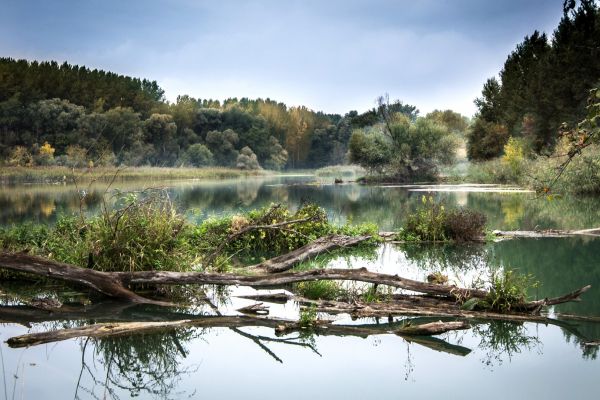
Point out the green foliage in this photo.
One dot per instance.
(543, 84)
(485, 140)
(144, 235)
(319, 290)
(427, 223)
(198, 155)
(508, 290)
(433, 222)
(308, 317)
(370, 150)
(404, 149)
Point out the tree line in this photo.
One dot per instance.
(65, 114)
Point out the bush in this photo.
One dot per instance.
(247, 160)
(143, 235)
(427, 223)
(198, 155)
(432, 222)
(464, 225)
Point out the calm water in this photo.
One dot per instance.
(495, 360)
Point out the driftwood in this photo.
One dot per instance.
(432, 328)
(255, 309)
(102, 282)
(115, 284)
(322, 245)
(277, 298)
(547, 233)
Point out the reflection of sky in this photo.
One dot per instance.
(230, 366)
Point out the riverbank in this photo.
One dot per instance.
(58, 174)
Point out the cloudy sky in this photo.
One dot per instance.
(330, 55)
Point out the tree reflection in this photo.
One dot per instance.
(501, 340)
(139, 363)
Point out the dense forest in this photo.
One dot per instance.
(65, 114)
(543, 85)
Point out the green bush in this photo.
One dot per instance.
(143, 235)
(433, 223)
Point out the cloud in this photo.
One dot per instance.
(334, 56)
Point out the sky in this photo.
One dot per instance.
(329, 55)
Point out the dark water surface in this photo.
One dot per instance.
(496, 360)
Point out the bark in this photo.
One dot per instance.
(114, 283)
(432, 328)
(102, 282)
(277, 298)
(285, 278)
(547, 233)
(322, 245)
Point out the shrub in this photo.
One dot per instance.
(247, 159)
(198, 155)
(464, 225)
(143, 235)
(432, 222)
(427, 223)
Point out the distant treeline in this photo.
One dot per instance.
(54, 113)
(543, 84)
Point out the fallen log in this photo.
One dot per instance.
(277, 298)
(432, 328)
(547, 233)
(322, 245)
(114, 283)
(102, 282)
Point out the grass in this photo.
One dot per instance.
(54, 174)
(319, 290)
(145, 232)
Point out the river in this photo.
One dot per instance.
(495, 360)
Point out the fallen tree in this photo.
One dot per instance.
(547, 233)
(115, 284)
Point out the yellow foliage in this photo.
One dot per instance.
(47, 150)
(514, 155)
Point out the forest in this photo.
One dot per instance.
(71, 115)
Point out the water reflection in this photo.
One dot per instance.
(386, 206)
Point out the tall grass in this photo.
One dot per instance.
(53, 174)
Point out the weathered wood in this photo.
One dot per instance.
(114, 283)
(102, 282)
(432, 328)
(440, 345)
(547, 233)
(278, 298)
(285, 278)
(256, 309)
(311, 250)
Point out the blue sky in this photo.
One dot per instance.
(330, 55)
